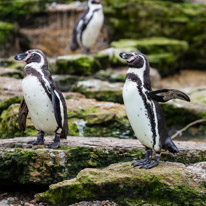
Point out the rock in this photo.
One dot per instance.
(163, 53)
(172, 17)
(7, 38)
(80, 64)
(4, 203)
(167, 184)
(6, 102)
(65, 82)
(113, 55)
(43, 166)
(9, 72)
(100, 90)
(95, 203)
(86, 117)
(9, 87)
(119, 75)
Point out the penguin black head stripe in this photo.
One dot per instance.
(134, 60)
(32, 56)
(143, 110)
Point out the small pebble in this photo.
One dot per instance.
(34, 201)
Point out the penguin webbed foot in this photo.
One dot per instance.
(141, 162)
(56, 143)
(39, 140)
(146, 160)
(152, 164)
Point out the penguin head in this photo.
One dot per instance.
(134, 60)
(32, 56)
(94, 2)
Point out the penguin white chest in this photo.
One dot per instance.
(39, 105)
(92, 30)
(137, 113)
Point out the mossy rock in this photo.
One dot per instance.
(4, 104)
(163, 53)
(42, 166)
(138, 19)
(18, 11)
(111, 76)
(21, 163)
(85, 118)
(100, 90)
(113, 54)
(80, 64)
(167, 184)
(88, 117)
(154, 45)
(65, 82)
(6, 30)
(9, 126)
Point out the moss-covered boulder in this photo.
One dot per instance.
(166, 184)
(6, 30)
(21, 163)
(86, 117)
(154, 45)
(139, 19)
(9, 72)
(65, 82)
(4, 104)
(119, 75)
(113, 55)
(9, 126)
(163, 53)
(80, 64)
(100, 90)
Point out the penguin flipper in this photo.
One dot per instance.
(56, 105)
(165, 95)
(23, 112)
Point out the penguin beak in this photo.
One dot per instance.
(20, 57)
(125, 56)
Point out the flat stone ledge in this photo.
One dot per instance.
(103, 142)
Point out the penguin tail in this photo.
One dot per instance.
(170, 146)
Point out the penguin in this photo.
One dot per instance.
(88, 26)
(143, 110)
(41, 99)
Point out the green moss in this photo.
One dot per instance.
(81, 64)
(110, 76)
(16, 10)
(44, 167)
(7, 102)
(159, 18)
(6, 29)
(163, 53)
(166, 185)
